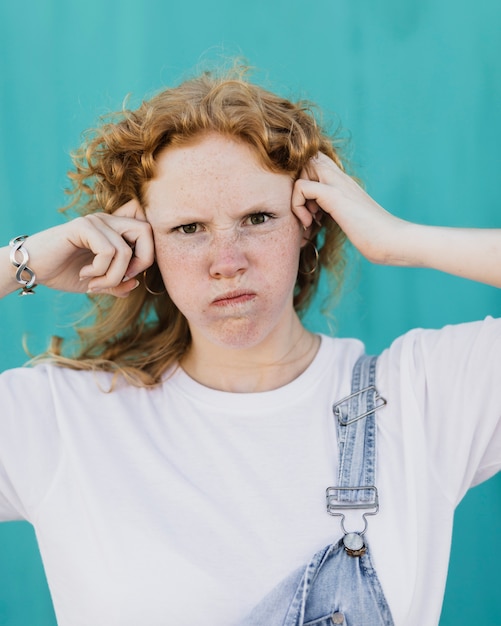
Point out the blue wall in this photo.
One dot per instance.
(416, 82)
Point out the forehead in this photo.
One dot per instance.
(209, 153)
(210, 167)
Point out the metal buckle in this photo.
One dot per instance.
(377, 398)
(335, 506)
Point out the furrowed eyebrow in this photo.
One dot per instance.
(174, 218)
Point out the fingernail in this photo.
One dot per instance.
(95, 290)
(128, 277)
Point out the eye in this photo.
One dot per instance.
(259, 218)
(188, 229)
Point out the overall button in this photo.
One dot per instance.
(354, 544)
(337, 618)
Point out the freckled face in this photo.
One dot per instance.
(226, 241)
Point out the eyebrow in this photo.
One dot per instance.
(177, 217)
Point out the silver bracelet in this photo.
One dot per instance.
(17, 245)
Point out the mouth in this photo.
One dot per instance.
(234, 297)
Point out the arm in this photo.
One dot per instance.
(385, 239)
(97, 253)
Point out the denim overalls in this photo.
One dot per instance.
(339, 585)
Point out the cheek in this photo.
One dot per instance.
(179, 266)
(279, 261)
(286, 247)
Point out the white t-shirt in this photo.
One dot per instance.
(185, 505)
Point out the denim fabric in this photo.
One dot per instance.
(334, 587)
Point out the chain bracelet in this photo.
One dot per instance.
(17, 245)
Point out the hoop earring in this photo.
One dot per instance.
(145, 283)
(311, 271)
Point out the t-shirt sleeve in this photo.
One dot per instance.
(448, 381)
(29, 441)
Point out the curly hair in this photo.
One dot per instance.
(144, 335)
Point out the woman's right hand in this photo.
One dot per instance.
(98, 253)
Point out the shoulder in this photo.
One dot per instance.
(25, 384)
(465, 348)
(442, 388)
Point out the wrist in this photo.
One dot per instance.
(19, 260)
(392, 245)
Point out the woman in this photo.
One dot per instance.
(175, 468)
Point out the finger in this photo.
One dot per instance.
(310, 171)
(144, 251)
(112, 253)
(304, 174)
(120, 291)
(303, 215)
(323, 159)
(90, 234)
(315, 211)
(327, 171)
(310, 205)
(136, 230)
(305, 205)
(131, 209)
(134, 249)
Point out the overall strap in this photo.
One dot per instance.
(356, 430)
(334, 587)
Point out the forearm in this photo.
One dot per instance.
(467, 252)
(100, 253)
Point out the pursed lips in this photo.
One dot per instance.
(234, 297)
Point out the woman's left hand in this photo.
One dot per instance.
(324, 188)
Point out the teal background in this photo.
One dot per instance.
(416, 82)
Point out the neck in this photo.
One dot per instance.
(273, 363)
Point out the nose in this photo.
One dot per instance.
(228, 258)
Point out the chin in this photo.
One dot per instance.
(239, 335)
